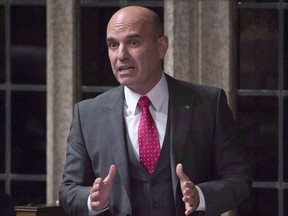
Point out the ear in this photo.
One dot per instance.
(162, 46)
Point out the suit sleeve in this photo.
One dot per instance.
(232, 182)
(78, 174)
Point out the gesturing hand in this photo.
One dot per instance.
(101, 189)
(189, 191)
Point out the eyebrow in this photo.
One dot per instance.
(110, 39)
(136, 35)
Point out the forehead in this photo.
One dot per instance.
(129, 23)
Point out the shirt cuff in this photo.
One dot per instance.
(91, 212)
(202, 204)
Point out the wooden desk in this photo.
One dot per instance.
(39, 210)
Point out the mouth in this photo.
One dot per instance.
(124, 69)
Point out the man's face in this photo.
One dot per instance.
(135, 52)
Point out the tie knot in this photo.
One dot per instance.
(144, 102)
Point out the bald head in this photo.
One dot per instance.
(136, 48)
(137, 16)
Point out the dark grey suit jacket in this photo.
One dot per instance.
(203, 136)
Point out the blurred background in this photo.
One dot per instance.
(248, 41)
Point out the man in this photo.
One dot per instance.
(200, 169)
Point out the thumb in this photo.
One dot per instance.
(180, 173)
(112, 172)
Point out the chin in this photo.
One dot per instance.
(126, 80)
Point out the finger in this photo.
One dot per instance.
(189, 210)
(94, 196)
(112, 172)
(96, 185)
(97, 181)
(95, 205)
(180, 173)
(189, 200)
(189, 189)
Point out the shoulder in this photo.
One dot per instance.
(179, 87)
(108, 99)
(203, 90)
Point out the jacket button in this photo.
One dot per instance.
(155, 204)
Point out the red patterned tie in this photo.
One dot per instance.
(149, 146)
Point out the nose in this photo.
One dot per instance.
(122, 52)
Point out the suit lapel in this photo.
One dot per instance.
(180, 117)
(115, 106)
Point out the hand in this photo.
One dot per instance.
(189, 191)
(101, 189)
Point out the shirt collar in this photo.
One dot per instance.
(156, 95)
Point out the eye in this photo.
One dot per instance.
(134, 42)
(112, 45)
